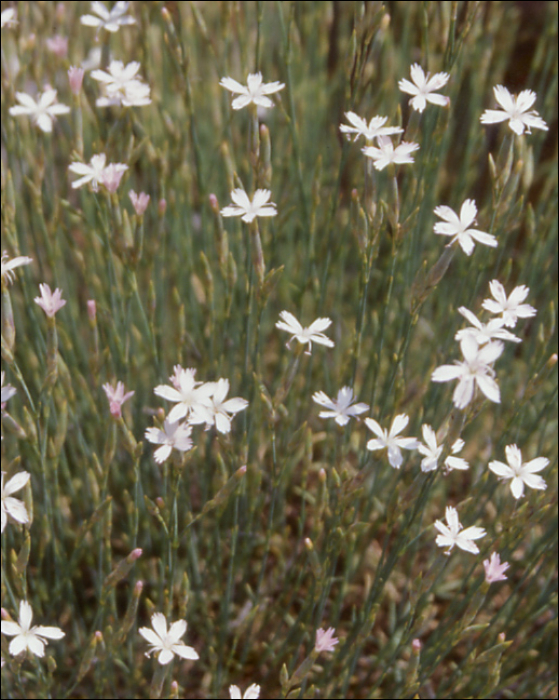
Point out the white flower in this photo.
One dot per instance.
(512, 307)
(219, 409)
(42, 112)
(193, 398)
(8, 266)
(173, 435)
(389, 439)
(121, 86)
(251, 693)
(11, 506)
(7, 391)
(454, 535)
(370, 131)
(94, 172)
(459, 227)
(250, 210)
(167, 643)
(432, 452)
(386, 153)
(520, 473)
(50, 301)
(515, 110)
(475, 369)
(8, 17)
(27, 637)
(484, 332)
(311, 334)
(255, 91)
(423, 88)
(342, 408)
(111, 20)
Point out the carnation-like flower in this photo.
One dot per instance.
(93, 172)
(260, 206)
(193, 398)
(432, 452)
(423, 88)
(111, 20)
(325, 640)
(453, 534)
(111, 176)
(386, 153)
(370, 131)
(50, 301)
(173, 436)
(305, 336)
(75, 79)
(390, 441)
(520, 472)
(255, 91)
(12, 506)
(484, 332)
(515, 109)
(139, 201)
(459, 227)
(122, 86)
(8, 266)
(219, 409)
(27, 637)
(116, 397)
(494, 570)
(42, 112)
(342, 408)
(511, 308)
(251, 693)
(474, 369)
(167, 643)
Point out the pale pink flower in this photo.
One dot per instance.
(423, 88)
(139, 201)
(58, 45)
(254, 92)
(520, 472)
(325, 640)
(515, 109)
(111, 176)
(167, 643)
(494, 570)
(386, 153)
(50, 301)
(75, 78)
(12, 506)
(453, 534)
(116, 397)
(27, 637)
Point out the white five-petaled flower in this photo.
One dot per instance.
(12, 506)
(167, 642)
(511, 308)
(520, 472)
(42, 112)
(515, 109)
(423, 88)
(484, 332)
(116, 397)
(173, 436)
(220, 410)
(453, 534)
(122, 86)
(8, 17)
(459, 227)
(193, 398)
(7, 391)
(494, 570)
(389, 439)
(342, 408)
(251, 693)
(260, 206)
(370, 131)
(8, 266)
(474, 369)
(432, 452)
(325, 640)
(111, 20)
(27, 637)
(386, 154)
(50, 301)
(311, 334)
(94, 172)
(254, 92)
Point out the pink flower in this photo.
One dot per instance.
(325, 640)
(139, 201)
(58, 45)
(49, 301)
(112, 175)
(494, 570)
(116, 398)
(75, 78)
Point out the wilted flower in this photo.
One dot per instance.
(484, 332)
(494, 570)
(386, 153)
(139, 201)
(193, 398)
(342, 408)
(50, 301)
(255, 91)
(219, 409)
(370, 131)
(511, 308)
(111, 20)
(173, 436)
(8, 266)
(42, 112)
(306, 336)
(116, 397)
(423, 88)
(250, 210)
(520, 472)
(475, 369)
(93, 172)
(27, 637)
(389, 439)
(251, 693)
(167, 643)
(453, 534)
(515, 109)
(325, 640)
(12, 506)
(121, 86)
(459, 227)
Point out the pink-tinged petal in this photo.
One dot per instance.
(463, 393)
(446, 373)
(489, 387)
(501, 469)
(536, 465)
(504, 98)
